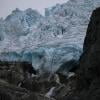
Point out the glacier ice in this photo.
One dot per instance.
(47, 58)
(46, 41)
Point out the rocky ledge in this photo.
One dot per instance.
(86, 83)
(19, 81)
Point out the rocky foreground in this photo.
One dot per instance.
(19, 81)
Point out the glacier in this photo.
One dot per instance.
(46, 41)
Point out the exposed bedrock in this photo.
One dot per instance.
(15, 72)
(86, 84)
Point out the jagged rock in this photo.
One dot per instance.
(17, 83)
(10, 92)
(68, 67)
(90, 60)
(41, 84)
(86, 84)
(15, 72)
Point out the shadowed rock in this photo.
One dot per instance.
(86, 84)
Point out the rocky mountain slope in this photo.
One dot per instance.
(52, 39)
(17, 82)
(86, 84)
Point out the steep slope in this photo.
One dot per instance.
(86, 84)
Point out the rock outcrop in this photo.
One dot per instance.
(18, 81)
(90, 60)
(15, 72)
(86, 84)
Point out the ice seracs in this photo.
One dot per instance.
(24, 33)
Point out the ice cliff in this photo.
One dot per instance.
(46, 41)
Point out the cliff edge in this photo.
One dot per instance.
(86, 84)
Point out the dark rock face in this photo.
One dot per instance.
(90, 60)
(17, 82)
(91, 55)
(86, 84)
(68, 66)
(15, 72)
